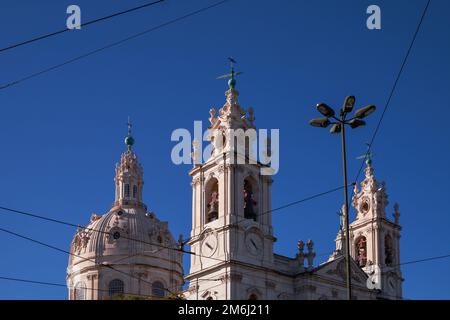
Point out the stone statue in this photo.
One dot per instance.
(212, 118)
(361, 252)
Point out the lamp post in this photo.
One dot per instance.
(339, 127)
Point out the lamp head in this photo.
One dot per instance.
(320, 123)
(355, 123)
(325, 110)
(349, 102)
(336, 128)
(364, 112)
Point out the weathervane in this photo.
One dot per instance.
(129, 141)
(231, 75)
(129, 126)
(367, 156)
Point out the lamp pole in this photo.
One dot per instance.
(339, 127)
(346, 219)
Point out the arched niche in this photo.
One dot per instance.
(388, 251)
(250, 195)
(212, 200)
(361, 251)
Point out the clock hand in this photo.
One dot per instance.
(254, 244)
(208, 245)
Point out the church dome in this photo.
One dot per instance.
(127, 250)
(122, 232)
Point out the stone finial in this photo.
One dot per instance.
(311, 254)
(396, 213)
(300, 246)
(251, 115)
(310, 245)
(301, 255)
(212, 118)
(341, 217)
(195, 152)
(95, 217)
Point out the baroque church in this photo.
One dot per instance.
(128, 251)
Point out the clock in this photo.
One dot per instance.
(254, 243)
(209, 245)
(365, 206)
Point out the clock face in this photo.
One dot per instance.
(254, 243)
(365, 206)
(209, 245)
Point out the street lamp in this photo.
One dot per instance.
(339, 127)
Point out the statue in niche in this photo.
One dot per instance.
(213, 207)
(249, 203)
(361, 252)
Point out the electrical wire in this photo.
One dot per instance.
(45, 36)
(75, 255)
(89, 229)
(285, 206)
(391, 94)
(108, 266)
(113, 44)
(37, 216)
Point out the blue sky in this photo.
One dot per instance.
(62, 132)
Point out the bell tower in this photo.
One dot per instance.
(231, 201)
(375, 239)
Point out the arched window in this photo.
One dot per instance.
(212, 200)
(361, 251)
(388, 251)
(253, 297)
(115, 287)
(127, 190)
(250, 205)
(158, 289)
(79, 291)
(135, 190)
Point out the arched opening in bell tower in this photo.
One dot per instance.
(361, 251)
(250, 194)
(388, 251)
(212, 200)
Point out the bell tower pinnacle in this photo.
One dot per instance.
(375, 239)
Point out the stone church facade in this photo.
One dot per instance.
(232, 237)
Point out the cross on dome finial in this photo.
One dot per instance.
(232, 75)
(129, 141)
